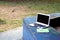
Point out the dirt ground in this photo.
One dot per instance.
(17, 12)
(13, 12)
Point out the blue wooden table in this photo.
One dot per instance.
(30, 33)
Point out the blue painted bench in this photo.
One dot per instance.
(30, 33)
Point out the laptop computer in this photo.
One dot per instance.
(42, 19)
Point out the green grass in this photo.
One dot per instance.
(2, 21)
(49, 7)
(14, 22)
(11, 3)
(10, 24)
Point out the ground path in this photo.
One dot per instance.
(14, 34)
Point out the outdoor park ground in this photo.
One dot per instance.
(12, 13)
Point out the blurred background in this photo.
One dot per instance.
(12, 12)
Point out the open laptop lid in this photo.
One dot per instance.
(43, 19)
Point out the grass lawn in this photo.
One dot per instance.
(13, 12)
(44, 7)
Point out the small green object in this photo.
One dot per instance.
(43, 30)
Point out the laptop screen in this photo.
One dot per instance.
(43, 19)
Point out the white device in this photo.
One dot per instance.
(42, 19)
(32, 24)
